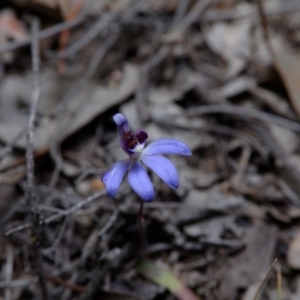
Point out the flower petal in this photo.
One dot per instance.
(163, 168)
(167, 146)
(122, 124)
(140, 181)
(112, 178)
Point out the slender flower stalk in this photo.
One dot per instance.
(133, 145)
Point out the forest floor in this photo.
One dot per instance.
(221, 75)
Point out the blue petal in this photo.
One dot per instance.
(164, 168)
(122, 124)
(112, 178)
(167, 146)
(140, 181)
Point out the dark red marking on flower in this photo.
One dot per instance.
(142, 136)
(132, 139)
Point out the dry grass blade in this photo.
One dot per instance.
(279, 283)
(37, 229)
(166, 279)
(287, 64)
(256, 297)
(284, 59)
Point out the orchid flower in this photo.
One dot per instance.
(134, 144)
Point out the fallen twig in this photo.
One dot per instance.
(43, 34)
(241, 112)
(31, 195)
(62, 213)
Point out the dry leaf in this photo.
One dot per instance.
(293, 256)
(86, 105)
(287, 63)
(11, 28)
(232, 42)
(250, 265)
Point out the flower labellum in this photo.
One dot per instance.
(134, 144)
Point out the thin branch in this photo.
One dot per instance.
(31, 196)
(82, 203)
(110, 222)
(32, 116)
(241, 112)
(18, 283)
(42, 34)
(61, 213)
(17, 228)
(88, 36)
(58, 238)
(29, 157)
(265, 279)
(195, 13)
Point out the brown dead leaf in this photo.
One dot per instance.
(232, 42)
(199, 203)
(11, 28)
(69, 13)
(251, 265)
(95, 99)
(211, 228)
(13, 176)
(286, 138)
(86, 105)
(293, 256)
(287, 63)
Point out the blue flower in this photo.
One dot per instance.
(134, 145)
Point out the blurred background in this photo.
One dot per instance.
(221, 75)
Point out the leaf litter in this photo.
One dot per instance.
(219, 75)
